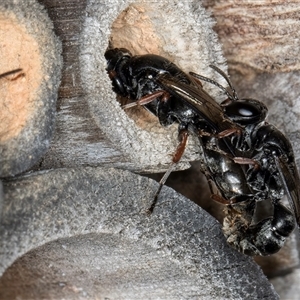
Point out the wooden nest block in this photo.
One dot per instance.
(179, 31)
(28, 96)
(91, 236)
(263, 35)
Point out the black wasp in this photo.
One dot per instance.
(245, 159)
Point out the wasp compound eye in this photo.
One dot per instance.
(245, 112)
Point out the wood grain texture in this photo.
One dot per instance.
(263, 35)
(77, 138)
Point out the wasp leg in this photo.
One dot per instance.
(246, 161)
(228, 132)
(163, 95)
(220, 135)
(183, 137)
(222, 200)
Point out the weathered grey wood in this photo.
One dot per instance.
(91, 128)
(261, 34)
(80, 232)
(1, 198)
(79, 139)
(27, 98)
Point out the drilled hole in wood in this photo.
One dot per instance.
(134, 30)
(17, 91)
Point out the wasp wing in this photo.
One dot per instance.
(290, 180)
(199, 100)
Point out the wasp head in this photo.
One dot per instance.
(246, 111)
(116, 58)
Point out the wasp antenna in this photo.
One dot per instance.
(129, 105)
(229, 95)
(234, 93)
